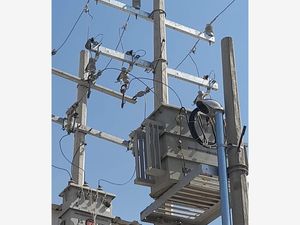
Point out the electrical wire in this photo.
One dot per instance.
(144, 78)
(140, 50)
(191, 50)
(120, 38)
(54, 51)
(63, 154)
(121, 41)
(151, 79)
(118, 184)
(135, 78)
(60, 168)
(195, 65)
(214, 19)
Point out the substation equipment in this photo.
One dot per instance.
(179, 153)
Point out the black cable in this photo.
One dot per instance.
(151, 79)
(241, 138)
(141, 50)
(137, 78)
(195, 65)
(60, 168)
(191, 50)
(214, 19)
(199, 122)
(193, 130)
(54, 51)
(144, 78)
(120, 39)
(194, 46)
(118, 184)
(63, 154)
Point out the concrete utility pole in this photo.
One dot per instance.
(160, 53)
(237, 168)
(79, 137)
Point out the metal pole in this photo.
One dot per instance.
(237, 169)
(79, 137)
(222, 168)
(160, 53)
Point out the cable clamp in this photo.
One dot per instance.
(161, 11)
(231, 146)
(154, 64)
(239, 167)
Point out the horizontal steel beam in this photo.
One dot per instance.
(147, 16)
(93, 86)
(94, 132)
(149, 66)
(122, 57)
(190, 78)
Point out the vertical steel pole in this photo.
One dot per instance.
(79, 137)
(222, 168)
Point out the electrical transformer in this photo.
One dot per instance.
(165, 150)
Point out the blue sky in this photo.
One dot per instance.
(109, 161)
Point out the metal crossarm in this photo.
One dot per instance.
(94, 132)
(147, 16)
(148, 66)
(121, 56)
(194, 199)
(192, 79)
(96, 87)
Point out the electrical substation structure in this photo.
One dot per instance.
(180, 154)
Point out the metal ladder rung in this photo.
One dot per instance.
(203, 194)
(203, 199)
(201, 191)
(209, 203)
(197, 204)
(206, 180)
(170, 212)
(185, 205)
(185, 208)
(203, 186)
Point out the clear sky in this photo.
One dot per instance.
(105, 160)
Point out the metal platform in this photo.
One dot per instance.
(194, 199)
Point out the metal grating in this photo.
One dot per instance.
(195, 199)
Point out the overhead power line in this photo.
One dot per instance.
(193, 49)
(124, 27)
(214, 19)
(85, 9)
